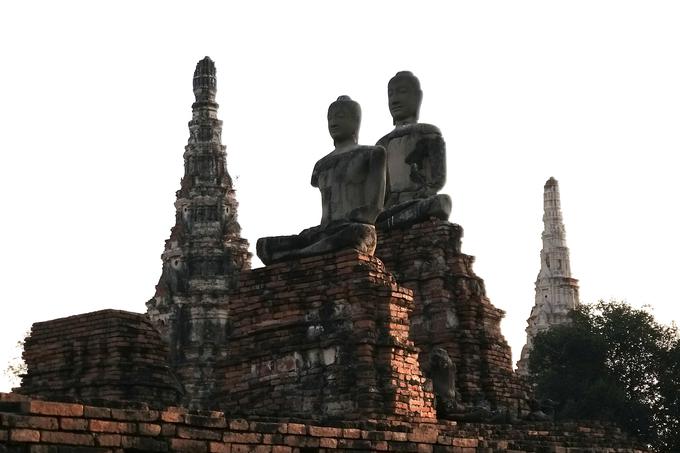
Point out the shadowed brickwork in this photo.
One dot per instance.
(452, 311)
(323, 337)
(104, 355)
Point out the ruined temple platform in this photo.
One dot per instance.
(326, 335)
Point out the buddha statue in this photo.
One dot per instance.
(416, 160)
(351, 179)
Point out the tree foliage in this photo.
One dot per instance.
(616, 363)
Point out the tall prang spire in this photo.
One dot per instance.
(556, 290)
(205, 253)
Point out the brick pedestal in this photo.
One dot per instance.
(452, 311)
(104, 355)
(323, 337)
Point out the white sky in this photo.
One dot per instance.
(95, 98)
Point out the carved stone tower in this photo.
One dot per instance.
(205, 252)
(556, 291)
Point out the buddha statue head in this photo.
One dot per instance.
(404, 96)
(344, 119)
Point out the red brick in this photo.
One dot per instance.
(4, 435)
(107, 440)
(351, 433)
(49, 408)
(468, 443)
(281, 449)
(318, 431)
(238, 448)
(73, 424)
(296, 428)
(424, 434)
(425, 448)
(53, 437)
(106, 426)
(149, 429)
(380, 445)
(24, 435)
(29, 421)
(328, 442)
(189, 446)
(220, 447)
(172, 416)
(242, 438)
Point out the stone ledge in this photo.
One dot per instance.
(25, 428)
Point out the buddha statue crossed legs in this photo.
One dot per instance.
(416, 160)
(351, 180)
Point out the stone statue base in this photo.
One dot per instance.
(317, 241)
(411, 212)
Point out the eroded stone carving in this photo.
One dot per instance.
(416, 160)
(351, 180)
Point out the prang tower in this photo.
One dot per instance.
(205, 252)
(556, 290)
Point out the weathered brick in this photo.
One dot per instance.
(328, 442)
(206, 422)
(96, 412)
(423, 434)
(73, 424)
(4, 435)
(148, 429)
(239, 425)
(320, 431)
(172, 416)
(242, 438)
(107, 440)
(50, 408)
(143, 443)
(29, 421)
(281, 449)
(168, 430)
(186, 432)
(135, 415)
(188, 446)
(462, 442)
(24, 435)
(219, 447)
(106, 426)
(351, 433)
(56, 437)
(297, 428)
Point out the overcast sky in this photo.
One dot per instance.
(95, 98)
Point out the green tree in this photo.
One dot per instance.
(16, 367)
(616, 363)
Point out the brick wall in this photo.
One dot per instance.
(323, 337)
(47, 427)
(452, 311)
(104, 355)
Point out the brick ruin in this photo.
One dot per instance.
(331, 352)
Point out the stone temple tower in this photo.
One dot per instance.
(205, 252)
(556, 290)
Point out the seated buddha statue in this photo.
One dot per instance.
(416, 160)
(351, 179)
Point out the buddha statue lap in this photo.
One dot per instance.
(352, 181)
